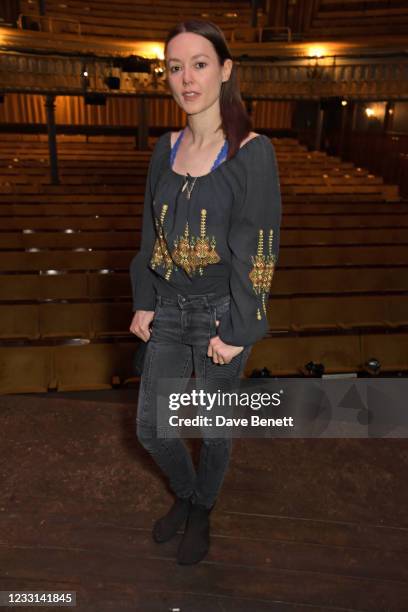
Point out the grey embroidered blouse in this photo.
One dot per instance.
(224, 239)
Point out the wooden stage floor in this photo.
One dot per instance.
(301, 525)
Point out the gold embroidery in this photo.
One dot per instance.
(190, 252)
(161, 255)
(181, 253)
(264, 302)
(262, 271)
(196, 251)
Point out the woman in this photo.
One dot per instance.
(202, 277)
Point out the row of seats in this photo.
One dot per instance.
(81, 166)
(99, 365)
(351, 192)
(54, 217)
(355, 17)
(292, 239)
(291, 314)
(109, 285)
(150, 21)
(141, 20)
(301, 184)
(341, 271)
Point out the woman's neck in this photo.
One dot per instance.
(203, 137)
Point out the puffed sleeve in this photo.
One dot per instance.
(141, 276)
(253, 238)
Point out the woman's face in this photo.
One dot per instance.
(192, 65)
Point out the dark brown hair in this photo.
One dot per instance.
(235, 121)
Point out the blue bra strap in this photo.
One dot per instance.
(223, 153)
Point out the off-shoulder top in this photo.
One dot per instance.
(224, 239)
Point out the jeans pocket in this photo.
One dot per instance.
(213, 325)
(221, 308)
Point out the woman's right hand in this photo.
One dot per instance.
(140, 325)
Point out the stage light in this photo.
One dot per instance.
(84, 77)
(372, 366)
(317, 52)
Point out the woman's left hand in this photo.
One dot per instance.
(220, 352)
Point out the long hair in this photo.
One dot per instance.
(235, 121)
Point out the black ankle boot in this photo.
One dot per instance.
(167, 526)
(196, 540)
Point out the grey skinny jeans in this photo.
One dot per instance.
(181, 331)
